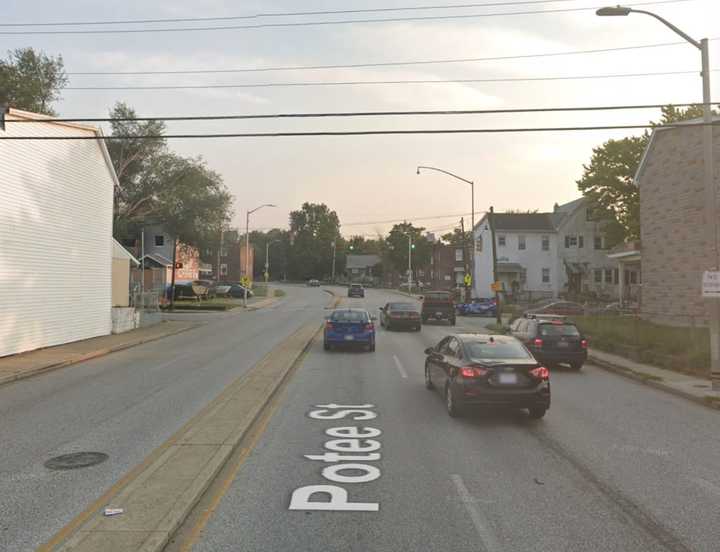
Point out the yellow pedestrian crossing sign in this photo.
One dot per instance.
(467, 279)
(245, 281)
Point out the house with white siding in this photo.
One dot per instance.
(56, 246)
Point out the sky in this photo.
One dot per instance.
(367, 179)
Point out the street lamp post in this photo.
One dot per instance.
(710, 188)
(248, 271)
(472, 199)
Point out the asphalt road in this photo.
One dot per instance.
(125, 405)
(614, 466)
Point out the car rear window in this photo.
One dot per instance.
(437, 296)
(402, 307)
(356, 286)
(496, 350)
(349, 316)
(557, 330)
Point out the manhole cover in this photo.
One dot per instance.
(76, 460)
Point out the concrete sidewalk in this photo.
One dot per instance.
(693, 388)
(25, 365)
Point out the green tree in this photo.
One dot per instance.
(360, 245)
(313, 230)
(31, 80)
(608, 181)
(397, 244)
(456, 238)
(278, 252)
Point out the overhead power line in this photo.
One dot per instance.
(280, 14)
(319, 23)
(283, 134)
(404, 219)
(379, 82)
(353, 114)
(382, 63)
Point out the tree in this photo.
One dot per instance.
(278, 251)
(456, 238)
(397, 243)
(359, 245)
(609, 180)
(313, 229)
(31, 80)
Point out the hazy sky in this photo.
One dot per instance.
(373, 178)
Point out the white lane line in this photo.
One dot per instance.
(400, 368)
(489, 541)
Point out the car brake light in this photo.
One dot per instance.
(540, 372)
(538, 342)
(584, 343)
(472, 372)
(369, 327)
(328, 326)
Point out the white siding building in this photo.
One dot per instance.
(527, 253)
(56, 203)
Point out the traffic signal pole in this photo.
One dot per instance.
(498, 306)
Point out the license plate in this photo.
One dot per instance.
(439, 314)
(507, 379)
(349, 337)
(563, 344)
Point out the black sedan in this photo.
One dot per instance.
(401, 315)
(487, 370)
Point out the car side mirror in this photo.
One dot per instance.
(429, 351)
(421, 297)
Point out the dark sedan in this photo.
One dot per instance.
(401, 315)
(487, 370)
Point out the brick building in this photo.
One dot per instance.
(673, 228)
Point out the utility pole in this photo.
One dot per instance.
(172, 285)
(334, 248)
(498, 306)
(465, 260)
(409, 263)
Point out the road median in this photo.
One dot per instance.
(157, 496)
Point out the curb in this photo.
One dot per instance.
(88, 356)
(157, 539)
(646, 380)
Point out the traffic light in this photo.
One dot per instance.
(412, 246)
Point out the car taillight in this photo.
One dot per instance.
(540, 372)
(538, 342)
(328, 325)
(472, 372)
(369, 327)
(584, 343)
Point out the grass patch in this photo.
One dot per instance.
(217, 304)
(676, 348)
(279, 293)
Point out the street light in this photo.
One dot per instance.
(472, 199)
(710, 188)
(247, 247)
(267, 258)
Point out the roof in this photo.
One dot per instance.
(626, 250)
(563, 212)
(529, 222)
(362, 261)
(157, 259)
(119, 252)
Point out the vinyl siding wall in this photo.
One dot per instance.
(55, 239)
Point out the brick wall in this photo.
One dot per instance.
(674, 241)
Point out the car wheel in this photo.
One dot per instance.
(418, 328)
(453, 408)
(428, 379)
(372, 347)
(326, 345)
(452, 322)
(576, 366)
(537, 412)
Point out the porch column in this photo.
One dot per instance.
(621, 281)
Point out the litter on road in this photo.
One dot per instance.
(113, 512)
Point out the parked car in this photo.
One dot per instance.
(566, 308)
(356, 290)
(349, 327)
(487, 370)
(192, 289)
(210, 286)
(237, 291)
(438, 305)
(552, 339)
(479, 307)
(401, 315)
(313, 283)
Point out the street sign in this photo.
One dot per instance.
(496, 286)
(711, 284)
(467, 279)
(245, 281)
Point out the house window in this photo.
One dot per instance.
(598, 275)
(598, 242)
(616, 276)
(608, 275)
(521, 242)
(159, 240)
(570, 241)
(458, 255)
(223, 270)
(633, 277)
(581, 241)
(546, 243)
(501, 241)
(546, 275)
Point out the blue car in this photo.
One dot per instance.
(479, 307)
(349, 327)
